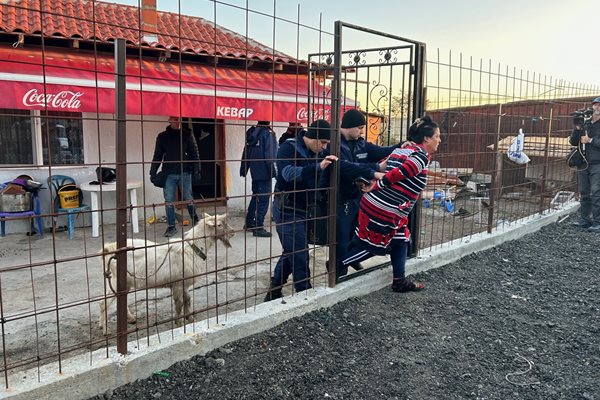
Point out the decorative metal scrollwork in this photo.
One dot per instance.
(357, 58)
(378, 96)
(388, 56)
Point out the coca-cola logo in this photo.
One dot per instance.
(302, 114)
(63, 99)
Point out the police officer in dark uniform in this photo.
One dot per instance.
(299, 169)
(358, 159)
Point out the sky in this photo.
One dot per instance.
(553, 38)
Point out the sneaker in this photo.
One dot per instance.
(171, 231)
(404, 285)
(261, 232)
(594, 228)
(581, 223)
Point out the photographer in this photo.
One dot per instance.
(586, 136)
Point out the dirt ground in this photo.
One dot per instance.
(520, 321)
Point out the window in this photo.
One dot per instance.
(58, 135)
(16, 136)
(63, 130)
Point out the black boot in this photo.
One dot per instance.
(273, 293)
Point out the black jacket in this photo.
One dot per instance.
(168, 152)
(358, 158)
(592, 150)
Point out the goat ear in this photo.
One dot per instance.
(209, 220)
(207, 216)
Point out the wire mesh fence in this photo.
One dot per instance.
(60, 123)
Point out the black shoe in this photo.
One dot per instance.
(171, 231)
(594, 228)
(404, 285)
(581, 223)
(273, 294)
(261, 232)
(357, 266)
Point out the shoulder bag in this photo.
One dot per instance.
(576, 159)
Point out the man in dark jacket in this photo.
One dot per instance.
(291, 132)
(259, 158)
(177, 151)
(587, 137)
(299, 168)
(358, 159)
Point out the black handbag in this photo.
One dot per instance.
(576, 159)
(317, 221)
(159, 180)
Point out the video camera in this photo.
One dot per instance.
(582, 117)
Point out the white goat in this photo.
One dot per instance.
(172, 265)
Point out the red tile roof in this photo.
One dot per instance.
(97, 20)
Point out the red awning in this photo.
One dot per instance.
(63, 81)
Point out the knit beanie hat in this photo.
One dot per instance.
(353, 118)
(319, 129)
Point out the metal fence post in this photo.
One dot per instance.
(121, 228)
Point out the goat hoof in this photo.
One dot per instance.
(190, 318)
(131, 320)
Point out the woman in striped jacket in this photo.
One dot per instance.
(383, 215)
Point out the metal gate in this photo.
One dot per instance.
(386, 83)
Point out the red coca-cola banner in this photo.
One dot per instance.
(82, 83)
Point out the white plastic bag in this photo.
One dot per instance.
(515, 151)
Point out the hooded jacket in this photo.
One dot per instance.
(259, 153)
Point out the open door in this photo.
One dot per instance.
(210, 138)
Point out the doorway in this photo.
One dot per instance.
(209, 134)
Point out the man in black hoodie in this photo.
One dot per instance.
(177, 150)
(259, 157)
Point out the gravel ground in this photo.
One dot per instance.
(520, 321)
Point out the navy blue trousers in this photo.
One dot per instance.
(347, 213)
(398, 254)
(259, 204)
(291, 229)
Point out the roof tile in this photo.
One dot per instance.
(87, 19)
